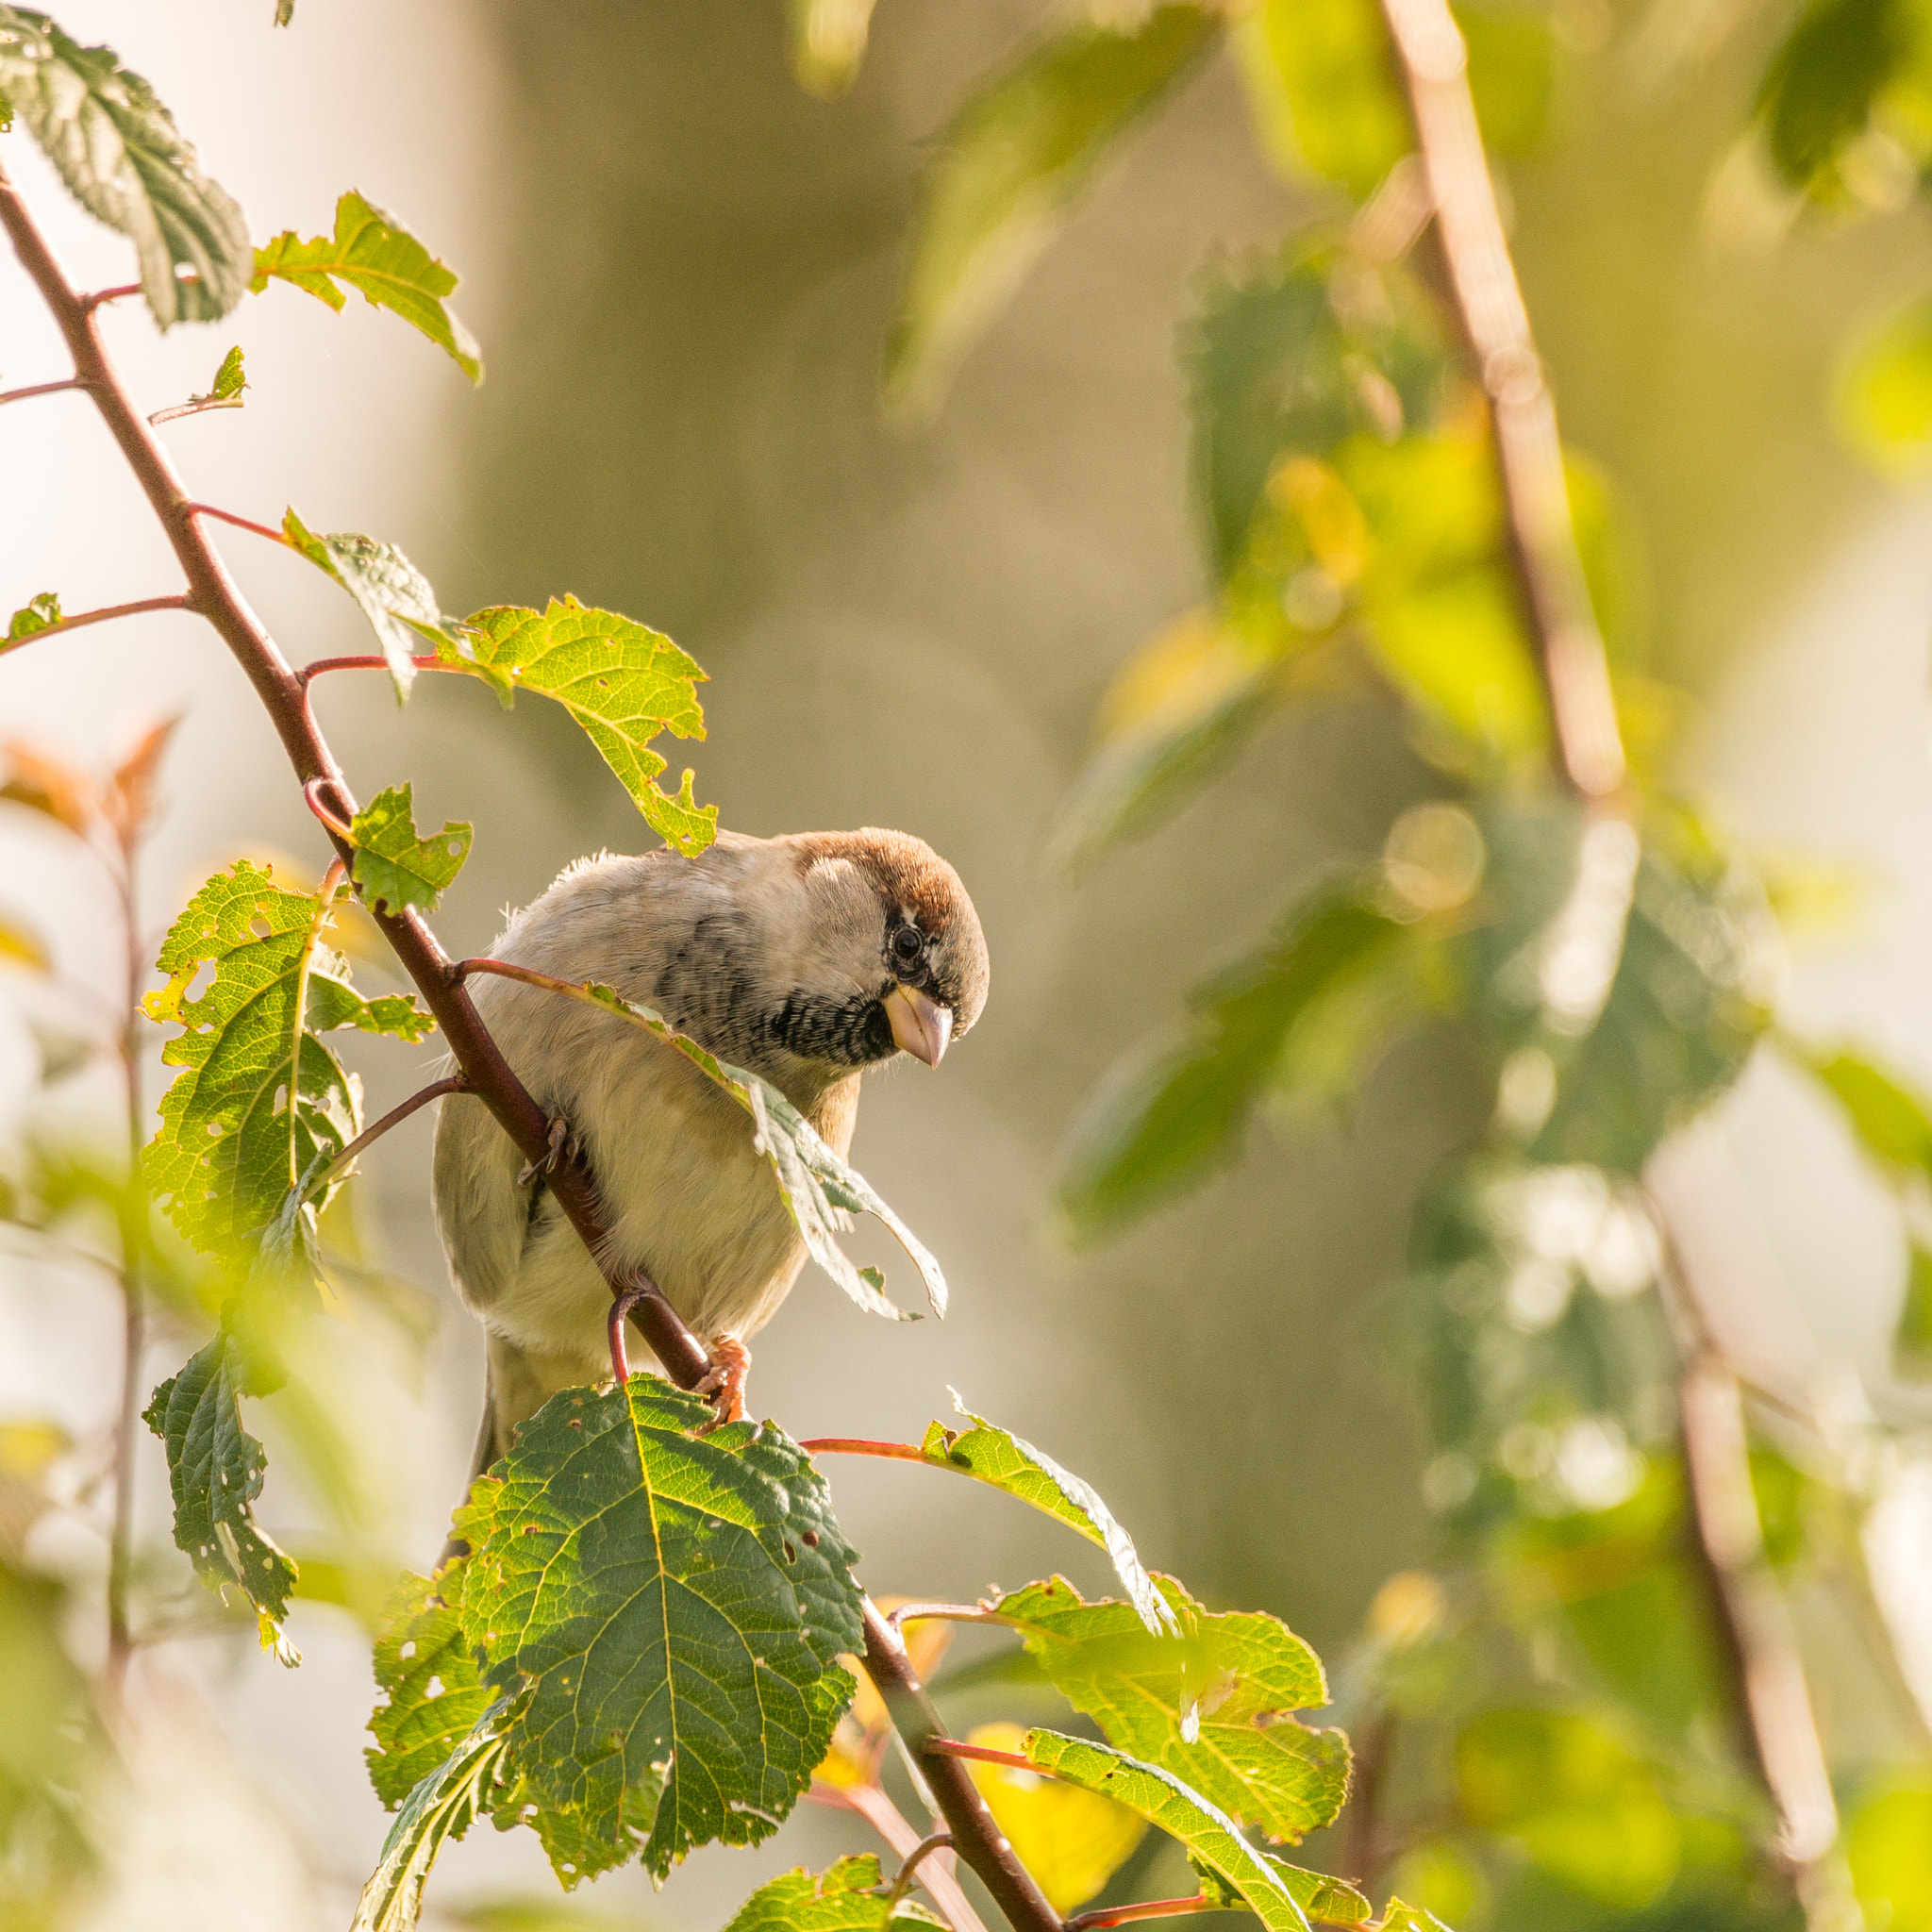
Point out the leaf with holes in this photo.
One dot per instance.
(1012, 162)
(372, 252)
(1214, 1702)
(230, 380)
(215, 1469)
(822, 1190)
(35, 615)
(434, 1696)
(849, 1896)
(623, 682)
(258, 1098)
(674, 1606)
(1208, 1835)
(389, 590)
(119, 152)
(395, 867)
(996, 1456)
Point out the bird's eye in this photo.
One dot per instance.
(906, 944)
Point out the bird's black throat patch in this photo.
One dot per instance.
(852, 1032)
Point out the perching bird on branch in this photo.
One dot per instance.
(805, 959)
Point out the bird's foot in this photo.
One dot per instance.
(564, 1145)
(725, 1383)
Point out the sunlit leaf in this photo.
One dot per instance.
(215, 1470)
(819, 1187)
(828, 39)
(1289, 356)
(434, 1696)
(1576, 1799)
(259, 1097)
(1209, 1836)
(1889, 1846)
(1885, 397)
(395, 868)
(119, 152)
(623, 682)
(1891, 1123)
(231, 379)
(849, 1896)
(1162, 1123)
(1071, 1841)
(371, 251)
(1402, 1918)
(36, 614)
(672, 1605)
(389, 590)
(441, 1809)
(1011, 162)
(1215, 1702)
(992, 1455)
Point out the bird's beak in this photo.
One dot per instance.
(920, 1027)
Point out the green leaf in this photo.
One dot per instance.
(1911, 1339)
(1006, 1461)
(1885, 396)
(440, 1809)
(119, 152)
(1012, 162)
(35, 615)
(435, 1696)
(371, 251)
(1822, 84)
(1209, 1836)
(397, 868)
(1213, 1703)
(1575, 1797)
(849, 1896)
(259, 1099)
(1891, 1123)
(229, 381)
(1402, 1918)
(389, 590)
(1163, 1122)
(827, 42)
(285, 13)
(215, 1470)
(1289, 356)
(623, 682)
(819, 1187)
(673, 1606)
(1326, 1901)
(1889, 1846)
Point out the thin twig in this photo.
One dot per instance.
(1529, 453)
(310, 672)
(984, 1754)
(979, 1841)
(83, 618)
(1147, 1909)
(1362, 1859)
(311, 797)
(118, 294)
(938, 1842)
(859, 1446)
(454, 1083)
(948, 1613)
(871, 1803)
(40, 389)
(198, 405)
(228, 516)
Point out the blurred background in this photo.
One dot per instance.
(681, 266)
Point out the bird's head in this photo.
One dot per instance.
(889, 956)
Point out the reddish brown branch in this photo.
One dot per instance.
(1435, 69)
(228, 516)
(310, 672)
(40, 389)
(199, 405)
(954, 1748)
(980, 1841)
(215, 595)
(860, 1445)
(1147, 1909)
(82, 619)
(454, 1083)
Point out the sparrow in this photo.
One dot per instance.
(806, 959)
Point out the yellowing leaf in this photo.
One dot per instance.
(371, 251)
(1885, 396)
(1072, 1841)
(623, 682)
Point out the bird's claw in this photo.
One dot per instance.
(725, 1381)
(563, 1144)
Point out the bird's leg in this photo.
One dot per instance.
(724, 1384)
(564, 1145)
